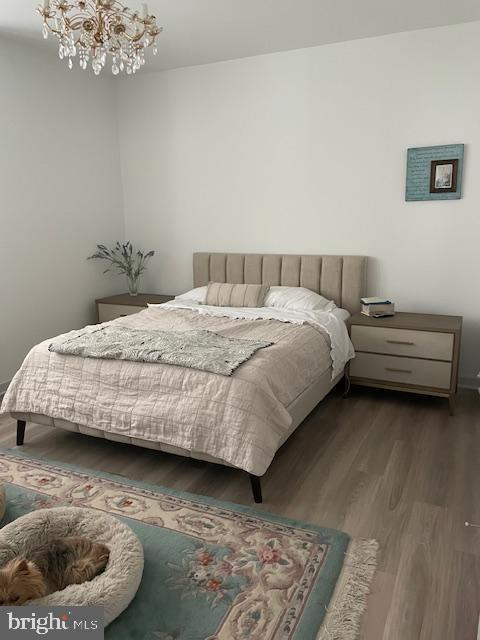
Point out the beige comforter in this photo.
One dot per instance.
(241, 420)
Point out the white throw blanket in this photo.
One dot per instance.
(197, 349)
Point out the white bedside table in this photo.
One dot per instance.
(412, 352)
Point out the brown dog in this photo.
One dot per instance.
(50, 568)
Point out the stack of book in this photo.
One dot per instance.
(377, 307)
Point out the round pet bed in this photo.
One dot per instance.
(113, 589)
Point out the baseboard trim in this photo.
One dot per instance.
(469, 383)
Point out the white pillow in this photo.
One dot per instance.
(341, 314)
(279, 297)
(297, 298)
(198, 295)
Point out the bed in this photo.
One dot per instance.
(238, 421)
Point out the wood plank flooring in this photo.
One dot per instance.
(380, 464)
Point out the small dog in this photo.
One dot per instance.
(50, 568)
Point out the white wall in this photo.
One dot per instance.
(59, 195)
(304, 152)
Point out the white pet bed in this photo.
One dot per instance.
(113, 589)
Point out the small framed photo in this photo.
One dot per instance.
(443, 176)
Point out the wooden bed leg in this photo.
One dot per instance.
(346, 381)
(21, 424)
(256, 488)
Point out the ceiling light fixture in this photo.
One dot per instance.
(98, 30)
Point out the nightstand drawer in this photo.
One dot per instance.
(107, 312)
(424, 373)
(403, 342)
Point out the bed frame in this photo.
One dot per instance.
(338, 278)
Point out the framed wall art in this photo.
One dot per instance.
(435, 173)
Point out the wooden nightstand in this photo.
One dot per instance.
(124, 305)
(413, 352)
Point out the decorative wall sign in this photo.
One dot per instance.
(435, 173)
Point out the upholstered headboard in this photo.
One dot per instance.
(338, 278)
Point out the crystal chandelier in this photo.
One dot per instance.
(100, 30)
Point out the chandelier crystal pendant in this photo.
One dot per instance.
(100, 30)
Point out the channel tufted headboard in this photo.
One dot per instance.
(338, 278)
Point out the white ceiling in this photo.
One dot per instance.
(200, 31)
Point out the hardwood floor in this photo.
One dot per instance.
(380, 464)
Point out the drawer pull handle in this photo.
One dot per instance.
(410, 344)
(398, 370)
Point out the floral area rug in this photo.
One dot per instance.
(213, 571)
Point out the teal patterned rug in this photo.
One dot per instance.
(213, 571)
